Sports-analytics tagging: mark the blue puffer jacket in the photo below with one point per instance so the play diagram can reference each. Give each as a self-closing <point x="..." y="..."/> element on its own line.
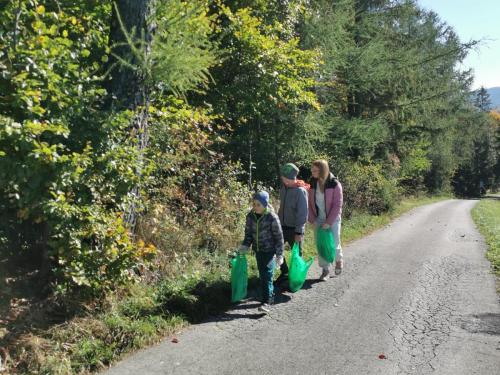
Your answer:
<point x="263" y="232"/>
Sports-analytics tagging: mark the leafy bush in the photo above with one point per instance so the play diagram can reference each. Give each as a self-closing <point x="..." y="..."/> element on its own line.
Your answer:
<point x="66" y="165"/>
<point x="195" y="198"/>
<point x="367" y="189"/>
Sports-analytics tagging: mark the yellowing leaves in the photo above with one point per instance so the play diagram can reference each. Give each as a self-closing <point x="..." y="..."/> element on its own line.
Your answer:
<point x="37" y="26"/>
<point x="53" y="88"/>
<point x="144" y="251"/>
<point x="282" y="66"/>
<point x="495" y="115"/>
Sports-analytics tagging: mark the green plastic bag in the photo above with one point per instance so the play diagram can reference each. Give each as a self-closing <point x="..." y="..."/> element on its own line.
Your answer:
<point x="298" y="269"/>
<point x="325" y="244"/>
<point x="239" y="277"/>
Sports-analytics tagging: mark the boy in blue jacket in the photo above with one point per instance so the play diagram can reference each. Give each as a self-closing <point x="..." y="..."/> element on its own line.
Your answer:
<point x="263" y="233"/>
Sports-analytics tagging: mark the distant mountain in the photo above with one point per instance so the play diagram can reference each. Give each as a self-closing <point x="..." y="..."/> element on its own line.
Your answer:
<point x="495" y="96"/>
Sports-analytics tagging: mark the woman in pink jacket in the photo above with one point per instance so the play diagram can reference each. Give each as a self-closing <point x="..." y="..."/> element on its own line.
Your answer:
<point x="325" y="210"/>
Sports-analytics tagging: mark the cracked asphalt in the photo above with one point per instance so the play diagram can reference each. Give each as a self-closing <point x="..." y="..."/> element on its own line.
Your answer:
<point x="418" y="291"/>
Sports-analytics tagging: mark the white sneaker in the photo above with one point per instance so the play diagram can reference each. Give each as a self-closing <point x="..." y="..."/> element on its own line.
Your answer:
<point x="338" y="267"/>
<point x="324" y="275"/>
<point x="265" y="308"/>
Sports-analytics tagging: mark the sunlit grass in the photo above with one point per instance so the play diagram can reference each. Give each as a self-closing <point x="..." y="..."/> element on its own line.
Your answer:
<point x="486" y="215"/>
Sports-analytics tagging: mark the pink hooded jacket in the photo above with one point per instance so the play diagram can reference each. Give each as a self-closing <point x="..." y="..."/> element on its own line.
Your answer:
<point x="333" y="200"/>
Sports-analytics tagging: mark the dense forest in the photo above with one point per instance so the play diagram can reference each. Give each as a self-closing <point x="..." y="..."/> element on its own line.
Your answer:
<point x="145" y="117"/>
<point x="132" y="132"/>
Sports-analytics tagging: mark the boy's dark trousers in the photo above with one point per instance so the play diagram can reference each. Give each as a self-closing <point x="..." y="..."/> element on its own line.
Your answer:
<point x="289" y="237"/>
<point x="266" y="264"/>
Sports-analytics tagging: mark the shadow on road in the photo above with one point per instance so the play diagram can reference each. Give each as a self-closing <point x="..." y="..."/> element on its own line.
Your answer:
<point x="308" y="284"/>
<point x="246" y="309"/>
<point x="488" y="323"/>
<point x="496" y="197"/>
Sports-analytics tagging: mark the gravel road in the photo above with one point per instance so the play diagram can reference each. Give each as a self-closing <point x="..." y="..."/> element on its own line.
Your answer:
<point x="419" y="291"/>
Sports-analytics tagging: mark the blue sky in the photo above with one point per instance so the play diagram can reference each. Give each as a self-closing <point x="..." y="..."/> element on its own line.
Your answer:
<point x="474" y="19"/>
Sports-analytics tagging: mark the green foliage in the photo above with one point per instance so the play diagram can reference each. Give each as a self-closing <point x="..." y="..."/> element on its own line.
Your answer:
<point x="92" y="354"/>
<point x="177" y="56"/>
<point x="218" y="87"/>
<point x="416" y="164"/>
<point x="482" y="158"/>
<point x="193" y="191"/>
<point x="66" y="166"/>
<point x="367" y="189"/>
<point x="263" y="85"/>
<point x="389" y="88"/>
<point x="482" y="100"/>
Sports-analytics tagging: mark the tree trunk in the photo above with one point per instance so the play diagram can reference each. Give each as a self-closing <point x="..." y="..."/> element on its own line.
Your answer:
<point x="128" y="88"/>
<point x="277" y="161"/>
<point x="250" y="161"/>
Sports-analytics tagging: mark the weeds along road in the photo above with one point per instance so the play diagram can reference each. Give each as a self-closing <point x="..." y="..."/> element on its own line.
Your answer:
<point x="419" y="292"/>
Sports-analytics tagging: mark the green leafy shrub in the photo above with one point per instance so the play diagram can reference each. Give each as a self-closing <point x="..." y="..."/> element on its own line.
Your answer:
<point x="196" y="201"/>
<point x="66" y="164"/>
<point x="367" y="189"/>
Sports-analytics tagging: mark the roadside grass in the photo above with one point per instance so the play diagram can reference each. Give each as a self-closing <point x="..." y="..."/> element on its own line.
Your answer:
<point x="145" y="313"/>
<point x="486" y="215"/>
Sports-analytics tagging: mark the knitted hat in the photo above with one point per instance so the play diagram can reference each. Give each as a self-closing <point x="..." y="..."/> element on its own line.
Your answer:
<point x="262" y="197"/>
<point x="290" y="171"/>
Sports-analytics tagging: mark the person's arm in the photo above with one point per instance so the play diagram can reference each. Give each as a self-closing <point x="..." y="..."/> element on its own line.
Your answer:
<point x="248" y="240"/>
<point x="277" y="233"/>
<point x="311" y="217"/>
<point x="338" y="200"/>
<point x="302" y="213"/>
<point x="280" y="211"/>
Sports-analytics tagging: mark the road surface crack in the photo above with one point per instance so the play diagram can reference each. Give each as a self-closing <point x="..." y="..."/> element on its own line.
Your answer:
<point x="423" y="318"/>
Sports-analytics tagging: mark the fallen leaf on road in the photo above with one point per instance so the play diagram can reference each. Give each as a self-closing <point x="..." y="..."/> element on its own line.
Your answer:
<point x="382" y="356"/>
<point x="175" y="340"/>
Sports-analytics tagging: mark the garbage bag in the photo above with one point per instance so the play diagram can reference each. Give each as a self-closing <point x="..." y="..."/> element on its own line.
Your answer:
<point x="325" y="244"/>
<point x="239" y="277"/>
<point x="298" y="269"/>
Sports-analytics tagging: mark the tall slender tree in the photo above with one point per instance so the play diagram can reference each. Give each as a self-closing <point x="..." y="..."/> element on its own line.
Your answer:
<point x="482" y="100"/>
<point x="130" y="34"/>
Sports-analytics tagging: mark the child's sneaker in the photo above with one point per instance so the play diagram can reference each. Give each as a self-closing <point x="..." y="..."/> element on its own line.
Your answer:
<point x="338" y="267"/>
<point x="324" y="275"/>
<point x="265" y="307"/>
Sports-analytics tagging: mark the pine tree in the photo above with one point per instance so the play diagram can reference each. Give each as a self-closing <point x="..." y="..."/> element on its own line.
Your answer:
<point x="482" y="100"/>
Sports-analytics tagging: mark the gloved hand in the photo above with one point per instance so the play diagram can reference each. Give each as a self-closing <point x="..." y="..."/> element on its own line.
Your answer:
<point x="325" y="226"/>
<point x="298" y="238"/>
<point x="243" y="250"/>
<point x="279" y="261"/>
